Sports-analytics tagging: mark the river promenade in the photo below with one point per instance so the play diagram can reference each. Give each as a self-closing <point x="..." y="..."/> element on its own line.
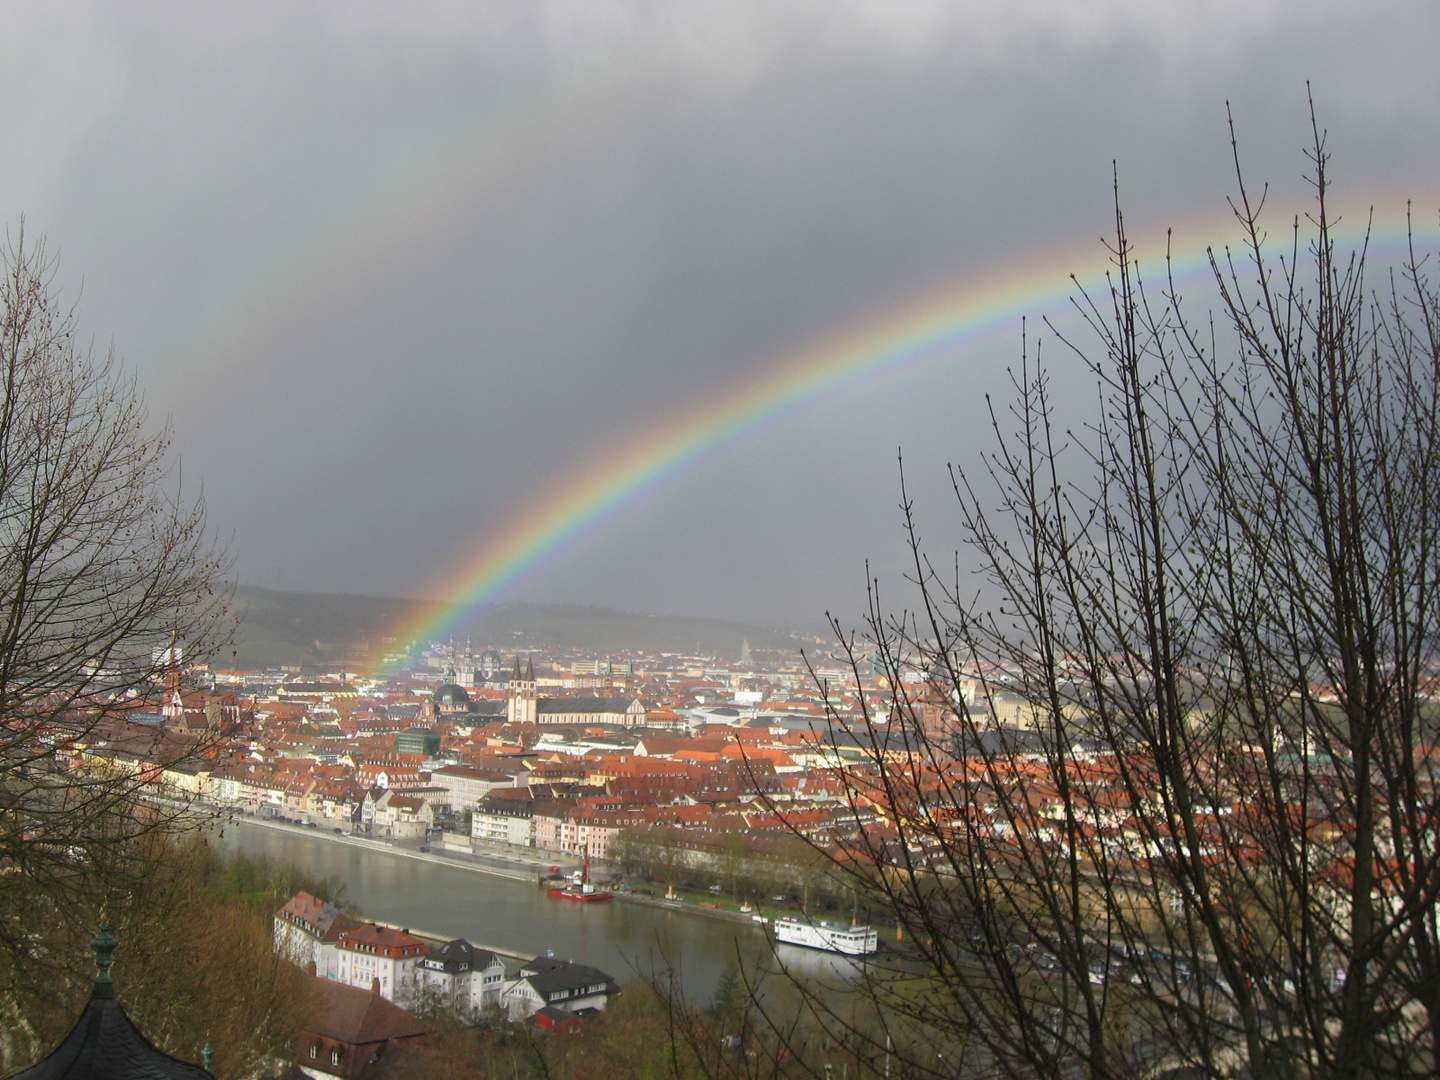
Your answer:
<point x="501" y="860"/>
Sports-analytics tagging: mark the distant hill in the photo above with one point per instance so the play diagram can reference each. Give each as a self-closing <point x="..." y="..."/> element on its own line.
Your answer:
<point x="300" y="628"/>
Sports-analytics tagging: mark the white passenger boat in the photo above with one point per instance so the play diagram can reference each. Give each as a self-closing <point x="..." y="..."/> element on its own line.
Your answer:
<point x="832" y="937"/>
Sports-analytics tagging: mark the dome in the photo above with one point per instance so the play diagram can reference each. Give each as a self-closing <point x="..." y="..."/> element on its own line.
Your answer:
<point x="451" y="696"/>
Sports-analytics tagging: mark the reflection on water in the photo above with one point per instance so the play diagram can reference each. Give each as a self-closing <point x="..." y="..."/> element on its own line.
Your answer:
<point x="813" y="964"/>
<point x="622" y="938"/>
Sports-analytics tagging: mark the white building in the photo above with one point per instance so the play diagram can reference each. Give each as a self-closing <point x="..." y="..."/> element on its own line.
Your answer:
<point x="468" y="786"/>
<point x="307" y="930"/>
<point x="467" y="979"/>
<point x="403" y="816"/>
<point x="504" y="821"/>
<point x="557" y="984"/>
<point x="373" y="954"/>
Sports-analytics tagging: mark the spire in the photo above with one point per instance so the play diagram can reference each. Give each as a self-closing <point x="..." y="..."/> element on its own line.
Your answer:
<point x="104" y="943"/>
<point x="529" y="670"/>
<point x="173" y="706"/>
<point x="516" y="676"/>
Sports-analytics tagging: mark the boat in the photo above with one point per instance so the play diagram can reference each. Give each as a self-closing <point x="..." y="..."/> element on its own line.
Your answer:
<point x="580" y="887"/>
<point x="827" y="936"/>
<point x="585" y="893"/>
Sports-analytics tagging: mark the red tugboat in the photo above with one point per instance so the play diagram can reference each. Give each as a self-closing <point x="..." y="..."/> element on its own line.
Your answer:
<point x="580" y="887"/>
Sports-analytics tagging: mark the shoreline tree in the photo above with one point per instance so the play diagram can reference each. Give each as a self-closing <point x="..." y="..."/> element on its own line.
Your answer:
<point x="1210" y="846"/>
<point x="105" y="562"/>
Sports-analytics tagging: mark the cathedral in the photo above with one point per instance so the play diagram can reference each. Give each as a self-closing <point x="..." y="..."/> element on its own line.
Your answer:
<point x="525" y="706"/>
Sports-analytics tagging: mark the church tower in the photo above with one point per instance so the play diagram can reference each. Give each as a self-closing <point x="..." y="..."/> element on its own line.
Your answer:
<point x="523" y="701"/>
<point x="172" y="707"/>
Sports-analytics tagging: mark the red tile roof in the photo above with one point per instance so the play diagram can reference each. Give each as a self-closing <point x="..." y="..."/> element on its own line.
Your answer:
<point x="351" y="1015"/>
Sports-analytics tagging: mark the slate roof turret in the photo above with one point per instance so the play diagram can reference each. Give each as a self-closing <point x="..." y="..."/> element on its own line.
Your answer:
<point x="104" y="1044"/>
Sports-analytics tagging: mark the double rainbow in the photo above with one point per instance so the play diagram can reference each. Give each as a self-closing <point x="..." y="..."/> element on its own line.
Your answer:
<point x="902" y="343"/>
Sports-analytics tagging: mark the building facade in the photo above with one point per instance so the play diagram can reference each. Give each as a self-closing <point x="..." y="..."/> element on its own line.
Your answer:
<point x="559" y="984"/>
<point x="462" y="978"/>
<point x="307" y="931"/>
<point x="505" y="821"/>
<point x="372" y="956"/>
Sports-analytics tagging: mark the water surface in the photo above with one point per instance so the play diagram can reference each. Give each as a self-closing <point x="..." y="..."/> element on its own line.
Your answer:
<point x="515" y="916"/>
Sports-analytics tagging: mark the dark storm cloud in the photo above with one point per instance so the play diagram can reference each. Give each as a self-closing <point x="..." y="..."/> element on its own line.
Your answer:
<point x="671" y="198"/>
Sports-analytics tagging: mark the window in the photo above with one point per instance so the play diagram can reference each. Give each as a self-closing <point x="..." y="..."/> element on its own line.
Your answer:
<point x="314" y="1051"/>
<point x="334" y="1057"/>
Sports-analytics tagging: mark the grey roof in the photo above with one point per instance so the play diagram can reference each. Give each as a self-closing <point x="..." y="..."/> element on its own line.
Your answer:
<point x="584" y="704"/>
<point x="105" y="1045"/>
<point x="547" y="976"/>
<point x="450" y="956"/>
<point x="450" y="695"/>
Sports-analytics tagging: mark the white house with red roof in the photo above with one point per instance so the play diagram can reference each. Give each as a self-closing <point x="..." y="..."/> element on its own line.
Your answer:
<point x="373" y="953"/>
<point x="307" y="930"/>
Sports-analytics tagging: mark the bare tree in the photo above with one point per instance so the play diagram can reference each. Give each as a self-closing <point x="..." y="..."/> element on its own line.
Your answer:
<point x="1206" y="840"/>
<point x="104" y="563"/>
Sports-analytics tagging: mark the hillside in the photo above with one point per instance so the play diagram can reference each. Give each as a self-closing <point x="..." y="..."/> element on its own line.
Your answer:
<point x="300" y="628"/>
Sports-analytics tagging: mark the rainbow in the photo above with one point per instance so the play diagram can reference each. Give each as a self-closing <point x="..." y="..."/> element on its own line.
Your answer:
<point x="360" y="225"/>
<point x="903" y="342"/>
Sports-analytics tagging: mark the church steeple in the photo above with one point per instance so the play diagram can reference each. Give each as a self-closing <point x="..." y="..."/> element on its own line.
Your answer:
<point x="173" y="705"/>
<point x="523" y="706"/>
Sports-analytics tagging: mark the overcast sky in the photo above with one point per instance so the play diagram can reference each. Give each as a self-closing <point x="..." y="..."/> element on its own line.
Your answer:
<point x="396" y="271"/>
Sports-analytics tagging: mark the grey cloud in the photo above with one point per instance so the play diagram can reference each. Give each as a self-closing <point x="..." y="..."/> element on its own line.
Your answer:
<point x="657" y="203"/>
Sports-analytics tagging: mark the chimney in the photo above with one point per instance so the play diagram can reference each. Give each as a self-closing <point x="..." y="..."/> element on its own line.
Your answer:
<point x="375" y="986"/>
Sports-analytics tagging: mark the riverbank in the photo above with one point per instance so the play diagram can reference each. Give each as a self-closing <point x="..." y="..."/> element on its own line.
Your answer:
<point x="714" y="912"/>
<point x="539" y="863"/>
<point x="529" y="868"/>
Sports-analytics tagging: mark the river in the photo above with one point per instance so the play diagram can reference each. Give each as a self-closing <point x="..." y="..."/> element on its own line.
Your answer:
<point x="515" y="916"/>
